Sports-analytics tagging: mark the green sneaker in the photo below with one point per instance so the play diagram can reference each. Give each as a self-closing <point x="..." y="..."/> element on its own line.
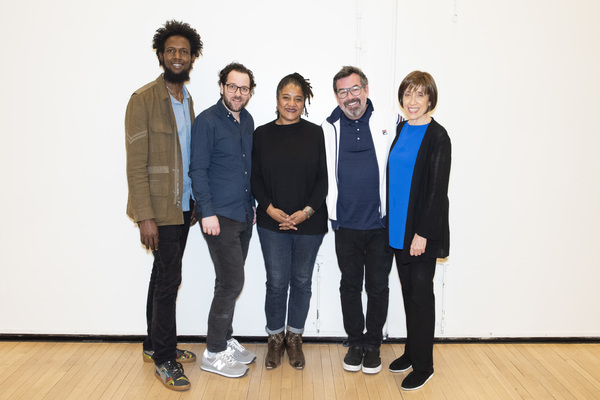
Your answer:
<point x="171" y="375"/>
<point x="183" y="356"/>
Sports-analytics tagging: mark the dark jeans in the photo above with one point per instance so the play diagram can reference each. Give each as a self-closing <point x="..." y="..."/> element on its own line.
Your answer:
<point x="289" y="262"/>
<point x="162" y="291"/>
<point x="364" y="253"/>
<point x="228" y="251"/>
<point x="416" y="279"/>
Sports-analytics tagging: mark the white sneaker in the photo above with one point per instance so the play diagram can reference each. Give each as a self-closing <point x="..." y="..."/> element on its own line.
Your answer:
<point x="224" y="364"/>
<point x="240" y="353"/>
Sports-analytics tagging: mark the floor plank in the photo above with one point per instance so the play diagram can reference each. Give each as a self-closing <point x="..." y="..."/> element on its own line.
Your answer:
<point x="115" y="371"/>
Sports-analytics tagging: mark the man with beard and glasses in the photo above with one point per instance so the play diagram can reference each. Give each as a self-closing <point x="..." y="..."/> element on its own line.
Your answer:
<point x="220" y="171"/>
<point x="357" y="142"/>
<point x="158" y="125"/>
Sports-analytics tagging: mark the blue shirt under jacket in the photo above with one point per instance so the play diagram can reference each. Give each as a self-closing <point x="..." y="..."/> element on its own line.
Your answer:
<point x="184" y="129"/>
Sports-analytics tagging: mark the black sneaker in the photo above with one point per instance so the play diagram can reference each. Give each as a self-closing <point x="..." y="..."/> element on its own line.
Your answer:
<point x="371" y="361"/>
<point x="171" y="375"/>
<point x="401" y="364"/>
<point x="416" y="379"/>
<point x="353" y="359"/>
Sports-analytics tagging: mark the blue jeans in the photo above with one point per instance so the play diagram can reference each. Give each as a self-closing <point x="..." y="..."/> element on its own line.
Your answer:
<point x="228" y="252"/>
<point x="289" y="261"/>
<point x="162" y="291"/>
<point x="364" y="254"/>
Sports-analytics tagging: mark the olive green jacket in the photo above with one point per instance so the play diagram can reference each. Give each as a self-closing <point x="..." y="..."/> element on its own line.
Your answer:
<point x="154" y="169"/>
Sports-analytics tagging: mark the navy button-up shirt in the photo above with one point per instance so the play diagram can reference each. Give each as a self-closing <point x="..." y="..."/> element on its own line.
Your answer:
<point x="220" y="163"/>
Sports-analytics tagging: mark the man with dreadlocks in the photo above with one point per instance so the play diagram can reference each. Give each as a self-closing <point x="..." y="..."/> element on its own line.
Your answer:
<point x="158" y="125"/>
<point x="289" y="181"/>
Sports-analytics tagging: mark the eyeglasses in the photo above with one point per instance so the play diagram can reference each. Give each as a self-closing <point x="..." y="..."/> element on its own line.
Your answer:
<point x="355" y="90"/>
<point x="232" y="88"/>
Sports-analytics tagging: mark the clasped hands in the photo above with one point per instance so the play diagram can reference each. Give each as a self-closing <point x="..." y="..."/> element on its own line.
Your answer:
<point x="286" y="222"/>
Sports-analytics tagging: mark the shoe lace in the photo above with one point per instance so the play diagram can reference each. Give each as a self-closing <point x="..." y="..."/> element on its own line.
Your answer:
<point x="174" y="368"/>
<point x="236" y="345"/>
<point x="227" y="357"/>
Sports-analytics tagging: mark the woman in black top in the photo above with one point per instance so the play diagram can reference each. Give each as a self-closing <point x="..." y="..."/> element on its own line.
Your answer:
<point x="289" y="181"/>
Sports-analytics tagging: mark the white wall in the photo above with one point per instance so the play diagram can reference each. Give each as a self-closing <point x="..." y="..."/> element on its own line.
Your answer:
<point x="518" y="83"/>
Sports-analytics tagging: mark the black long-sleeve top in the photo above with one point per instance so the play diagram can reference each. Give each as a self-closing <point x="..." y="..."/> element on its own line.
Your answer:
<point x="289" y="170"/>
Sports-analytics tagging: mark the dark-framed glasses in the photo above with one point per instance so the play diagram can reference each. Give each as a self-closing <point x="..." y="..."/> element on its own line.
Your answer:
<point x="355" y="90"/>
<point x="232" y="88"/>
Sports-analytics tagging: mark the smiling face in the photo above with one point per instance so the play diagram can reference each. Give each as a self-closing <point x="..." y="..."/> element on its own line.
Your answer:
<point x="416" y="105"/>
<point x="236" y="101"/>
<point x="353" y="106"/>
<point x="290" y="104"/>
<point x="177" y="60"/>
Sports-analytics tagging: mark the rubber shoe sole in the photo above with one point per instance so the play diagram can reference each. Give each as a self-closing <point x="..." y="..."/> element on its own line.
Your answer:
<point x="400" y="364"/>
<point x="352" y="368"/>
<point x="414" y="385"/>
<point x="401" y="370"/>
<point x="210" y="368"/>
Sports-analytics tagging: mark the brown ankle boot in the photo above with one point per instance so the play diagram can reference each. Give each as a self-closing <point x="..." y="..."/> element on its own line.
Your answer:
<point x="276" y="347"/>
<point x="293" y="344"/>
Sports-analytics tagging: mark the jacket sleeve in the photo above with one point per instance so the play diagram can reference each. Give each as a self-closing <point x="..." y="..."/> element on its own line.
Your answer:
<point x="202" y="143"/>
<point x="136" y="144"/>
<point x="434" y="203"/>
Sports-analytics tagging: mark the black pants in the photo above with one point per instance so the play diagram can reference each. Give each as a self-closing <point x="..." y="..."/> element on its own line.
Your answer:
<point x="364" y="253"/>
<point x="416" y="279"/>
<point x="228" y="251"/>
<point x="162" y="291"/>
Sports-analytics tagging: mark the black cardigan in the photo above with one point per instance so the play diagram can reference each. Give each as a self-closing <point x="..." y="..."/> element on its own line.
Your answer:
<point x="428" y="204"/>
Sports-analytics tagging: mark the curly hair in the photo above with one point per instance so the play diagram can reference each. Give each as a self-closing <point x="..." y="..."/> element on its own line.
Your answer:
<point x="297" y="80"/>
<point x="345" y="72"/>
<point x="236" y="66"/>
<point x="176" y="28"/>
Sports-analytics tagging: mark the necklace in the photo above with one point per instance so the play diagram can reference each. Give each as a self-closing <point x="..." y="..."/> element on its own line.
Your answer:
<point x="178" y="96"/>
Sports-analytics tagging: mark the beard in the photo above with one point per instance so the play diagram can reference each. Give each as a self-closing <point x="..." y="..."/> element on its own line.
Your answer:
<point x="355" y="111"/>
<point x="233" y="108"/>
<point x="173" y="77"/>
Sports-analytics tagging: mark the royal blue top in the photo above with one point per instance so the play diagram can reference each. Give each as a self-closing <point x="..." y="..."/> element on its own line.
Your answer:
<point x="400" y="168"/>
<point x="220" y="166"/>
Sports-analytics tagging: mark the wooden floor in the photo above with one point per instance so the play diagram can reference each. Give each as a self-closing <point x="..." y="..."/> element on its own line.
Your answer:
<point x="33" y="370"/>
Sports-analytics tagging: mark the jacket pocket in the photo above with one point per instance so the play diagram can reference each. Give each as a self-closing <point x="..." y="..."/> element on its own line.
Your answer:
<point x="158" y="178"/>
